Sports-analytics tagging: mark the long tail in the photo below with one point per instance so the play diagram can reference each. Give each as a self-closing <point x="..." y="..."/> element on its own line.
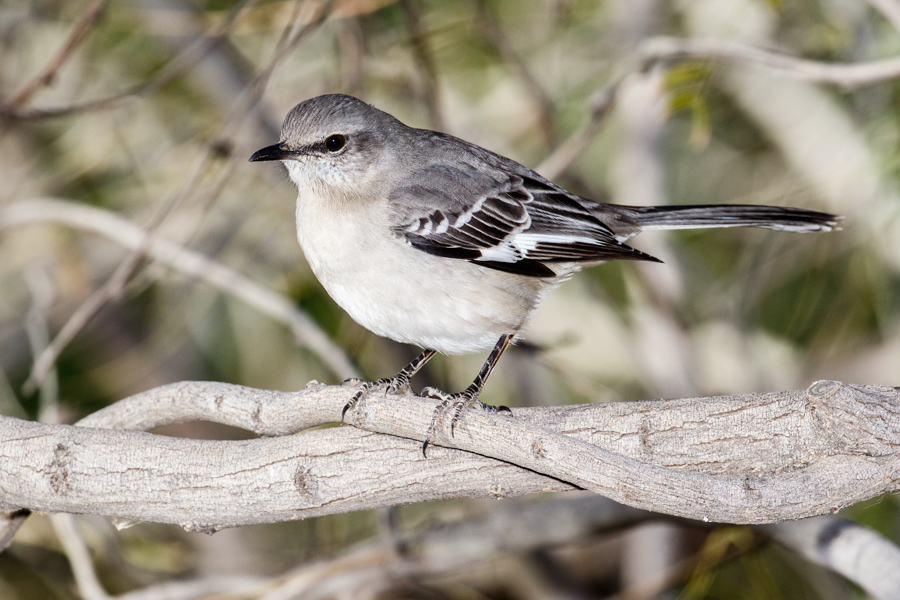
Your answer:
<point x="733" y="215"/>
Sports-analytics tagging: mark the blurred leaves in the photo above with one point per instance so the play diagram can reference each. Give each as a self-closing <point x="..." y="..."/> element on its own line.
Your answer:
<point x="685" y="84"/>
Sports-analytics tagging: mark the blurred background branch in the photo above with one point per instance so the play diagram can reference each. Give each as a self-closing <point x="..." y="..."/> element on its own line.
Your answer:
<point x="79" y="31"/>
<point x="131" y="236"/>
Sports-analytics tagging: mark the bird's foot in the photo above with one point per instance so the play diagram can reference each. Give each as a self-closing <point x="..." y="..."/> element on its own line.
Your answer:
<point x="391" y="385"/>
<point x="456" y="404"/>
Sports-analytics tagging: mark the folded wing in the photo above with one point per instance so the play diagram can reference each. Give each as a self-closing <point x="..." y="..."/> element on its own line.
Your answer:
<point x="500" y="220"/>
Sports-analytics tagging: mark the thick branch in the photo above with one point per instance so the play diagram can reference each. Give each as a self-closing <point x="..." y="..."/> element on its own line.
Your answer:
<point x="752" y="458"/>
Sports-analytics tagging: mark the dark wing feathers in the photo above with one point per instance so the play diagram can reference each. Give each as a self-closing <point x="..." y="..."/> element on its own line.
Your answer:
<point x="526" y="266"/>
<point x="425" y="245"/>
<point x="501" y="220"/>
<point x="487" y="223"/>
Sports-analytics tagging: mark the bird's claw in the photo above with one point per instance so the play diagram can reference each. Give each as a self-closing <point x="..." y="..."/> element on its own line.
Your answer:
<point x="459" y="402"/>
<point x="392" y="385"/>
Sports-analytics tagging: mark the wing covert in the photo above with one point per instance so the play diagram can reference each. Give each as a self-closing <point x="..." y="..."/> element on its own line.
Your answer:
<point x="501" y="220"/>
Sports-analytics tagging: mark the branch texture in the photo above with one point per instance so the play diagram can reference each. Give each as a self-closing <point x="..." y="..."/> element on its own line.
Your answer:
<point x="754" y="458"/>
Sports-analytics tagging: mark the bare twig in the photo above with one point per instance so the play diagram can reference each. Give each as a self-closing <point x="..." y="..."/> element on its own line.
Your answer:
<point x="495" y="36"/>
<point x="849" y="75"/>
<point x="511" y="529"/>
<point x="223" y="74"/>
<point x="305" y="22"/>
<point x="43" y="364"/>
<point x="889" y="9"/>
<point x="309" y="17"/>
<point x="567" y="152"/>
<point x="177" y="67"/>
<point x="352" y="42"/>
<point x="44" y="78"/>
<point x="664" y="49"/>
<point x="79" y="556"/>
<point x="112" y="288"/>
<point x="43" y="294"/>
<point x="456" y="548"/>
<point x="202" y="587"/>
<point x="9" y="403"/>
<point x="9" y="525"/>
<point x="90" y="587"/>
<point x="73" y="545"/>
<point x="114" y="285"/>
<point x="425" y="62"/>
<point x="371" y="563"/>
<point x="130" y="235"/>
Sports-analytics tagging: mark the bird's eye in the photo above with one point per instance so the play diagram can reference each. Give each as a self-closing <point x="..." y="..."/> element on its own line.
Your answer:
<point x="335" y="142"/>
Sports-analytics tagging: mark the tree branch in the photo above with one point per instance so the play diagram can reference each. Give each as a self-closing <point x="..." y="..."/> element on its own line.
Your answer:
<point x="79" y="556"/>
<point x="889" y="9"/>
<point x="653" y="51"/>
<point x="307" y="20"/>
<point x="752" y="458"/>
<point x="510" y="529"/>
<point x="847" y="75"/>
<point x="132" y="236"/>
<point x="177" y="67"/>
<point x="856" y="552"/>
<point x="45" y="77"/>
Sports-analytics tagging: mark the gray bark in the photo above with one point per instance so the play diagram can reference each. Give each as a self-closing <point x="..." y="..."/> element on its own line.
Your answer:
<point x="753" y="458"/>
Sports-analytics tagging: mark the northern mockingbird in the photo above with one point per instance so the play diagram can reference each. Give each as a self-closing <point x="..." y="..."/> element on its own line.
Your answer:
<point x="429" y="240"/>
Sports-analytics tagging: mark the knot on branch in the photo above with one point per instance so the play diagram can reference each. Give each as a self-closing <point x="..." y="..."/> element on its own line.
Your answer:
<point x="862" y="420"/>
<point x="58" y="469"/>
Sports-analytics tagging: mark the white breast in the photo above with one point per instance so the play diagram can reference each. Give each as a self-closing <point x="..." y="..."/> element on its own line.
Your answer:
<point x="396" y="291"/>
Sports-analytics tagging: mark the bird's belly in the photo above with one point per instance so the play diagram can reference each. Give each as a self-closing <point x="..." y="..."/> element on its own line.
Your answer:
<point x="449" y="305"/>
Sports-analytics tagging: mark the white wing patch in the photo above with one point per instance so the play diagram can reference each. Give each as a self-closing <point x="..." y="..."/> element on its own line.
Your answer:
<point x="518" y="246"/>
<point x="527" y="242"/>
<point x="505" y="252"/>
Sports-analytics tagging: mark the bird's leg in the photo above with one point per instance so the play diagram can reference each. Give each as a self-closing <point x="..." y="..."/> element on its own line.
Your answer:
<point x="469" y="396"/>
<point x="398" y="382"/>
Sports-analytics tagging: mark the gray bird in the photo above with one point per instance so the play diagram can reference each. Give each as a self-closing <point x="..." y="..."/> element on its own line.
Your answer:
<point x="429" y="240"/>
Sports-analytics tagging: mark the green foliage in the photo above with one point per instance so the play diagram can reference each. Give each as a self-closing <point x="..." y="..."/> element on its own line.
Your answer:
<point x="685" y="84"/>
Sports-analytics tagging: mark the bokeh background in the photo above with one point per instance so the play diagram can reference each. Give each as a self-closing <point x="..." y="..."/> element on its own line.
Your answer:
<point x="119" y="117"/>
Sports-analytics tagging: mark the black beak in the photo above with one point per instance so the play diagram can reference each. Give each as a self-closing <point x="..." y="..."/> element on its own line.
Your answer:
<point x="277" y="152"/>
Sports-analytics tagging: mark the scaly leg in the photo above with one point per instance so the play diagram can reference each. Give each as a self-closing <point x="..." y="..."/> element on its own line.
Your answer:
<point x="399" y="382"/>
<point x="469" y="396"/>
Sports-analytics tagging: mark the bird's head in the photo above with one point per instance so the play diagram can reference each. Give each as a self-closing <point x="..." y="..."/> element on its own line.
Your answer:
<point x="331" y="144"/>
